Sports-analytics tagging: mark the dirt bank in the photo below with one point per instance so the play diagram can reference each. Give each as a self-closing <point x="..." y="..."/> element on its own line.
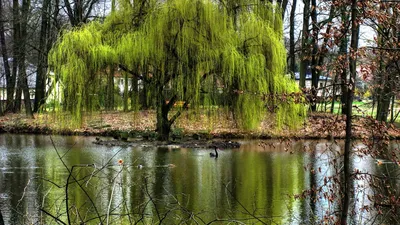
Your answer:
<point x="195" y="127"/>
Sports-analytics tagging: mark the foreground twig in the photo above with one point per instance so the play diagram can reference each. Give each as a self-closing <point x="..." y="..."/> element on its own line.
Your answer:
<point x="66" y="187"/>
<point x="49" y="214"/>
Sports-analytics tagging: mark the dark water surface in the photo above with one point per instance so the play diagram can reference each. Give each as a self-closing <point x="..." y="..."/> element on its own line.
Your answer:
<point x="252" y="184"/>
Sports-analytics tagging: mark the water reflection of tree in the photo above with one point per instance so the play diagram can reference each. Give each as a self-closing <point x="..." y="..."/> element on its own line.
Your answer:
<point x="218" y="190"/>
<point x="252" y="184"/>
<point x="374" y="180"/>
<point x="16" y="180"/>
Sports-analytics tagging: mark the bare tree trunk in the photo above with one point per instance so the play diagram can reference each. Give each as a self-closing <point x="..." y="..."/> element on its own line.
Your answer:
<point x="350" y="94"/>
<point x="25" y="89"/>
<point x="388" y="65"/>
<point x="283" y="4"/>
<point x="18" y="94"/>
<point x="304" y="45"/>
<point x="384" y="98"/>
<point x="343" y="54"/>
<point x="22" y="55"/>
<point x="78" y="11"/>
<point x="40" y="88"/>
<point x="16" y="54"/>
<point x="384" y="92"/>
<point x="314" y="60"/>
<point x="292" y="61"/>
<point x="3" y="49"/>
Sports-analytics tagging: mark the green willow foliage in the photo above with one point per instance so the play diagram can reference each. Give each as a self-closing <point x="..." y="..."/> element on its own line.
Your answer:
<point x="183" y="48"/>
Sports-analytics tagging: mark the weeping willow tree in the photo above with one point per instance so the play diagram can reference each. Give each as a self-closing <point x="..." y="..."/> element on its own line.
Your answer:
<point x="181" y="49"/>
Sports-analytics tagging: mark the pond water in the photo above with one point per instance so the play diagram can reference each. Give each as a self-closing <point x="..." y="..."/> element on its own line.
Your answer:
<point x="250" y="185"/>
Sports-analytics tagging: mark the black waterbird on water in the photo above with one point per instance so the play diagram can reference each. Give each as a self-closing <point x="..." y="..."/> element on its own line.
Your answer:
<point x="214" y="155"/>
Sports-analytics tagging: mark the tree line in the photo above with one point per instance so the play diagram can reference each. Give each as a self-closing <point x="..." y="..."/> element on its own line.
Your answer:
<point x="324" y="47"/>
<point x="27" y="32"/>
<point x="29" y="29"/>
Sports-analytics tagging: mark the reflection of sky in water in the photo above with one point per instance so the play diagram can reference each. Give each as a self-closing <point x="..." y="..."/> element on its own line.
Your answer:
<point x="252" y="179"/>
<point x="323" y="165"/>
<point x="365" y="164"/>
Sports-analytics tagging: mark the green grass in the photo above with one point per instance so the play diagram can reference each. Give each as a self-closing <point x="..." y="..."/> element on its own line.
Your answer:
<point x="360" y="108"/>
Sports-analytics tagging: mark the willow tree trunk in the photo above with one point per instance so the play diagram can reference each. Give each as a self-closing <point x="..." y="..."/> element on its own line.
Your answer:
<point x="163" y="124"/>
<point x="347" y="190"/>
<point x="109" y="99"/>
<point x="304" y="44"/>
<point x="144" y="97"/>
<point x="40" y="88"/>
<point x="292" y="56"/>
<point x="125" y="94"/>
<point x="134" y="94"/>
